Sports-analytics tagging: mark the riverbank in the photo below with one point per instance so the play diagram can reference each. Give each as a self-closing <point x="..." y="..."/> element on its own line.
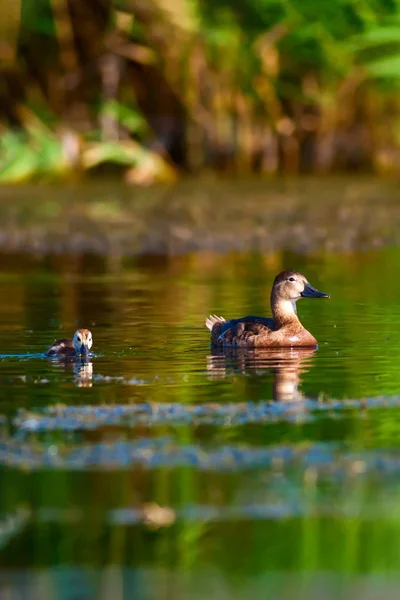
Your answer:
<point x="108" y="218"/>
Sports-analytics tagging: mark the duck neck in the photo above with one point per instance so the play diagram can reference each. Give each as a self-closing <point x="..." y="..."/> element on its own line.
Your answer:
<point x="283" y="311"/>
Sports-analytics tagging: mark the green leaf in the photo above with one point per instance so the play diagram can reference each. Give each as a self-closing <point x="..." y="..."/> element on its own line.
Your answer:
<point x="385" y="67"/>
<point x="20" y="167"/>
<point x="377" y="37"/>
<point x="128" y="153"/>
<point x="129" y="117"/>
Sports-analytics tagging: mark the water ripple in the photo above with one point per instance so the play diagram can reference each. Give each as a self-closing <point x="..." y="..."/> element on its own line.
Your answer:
<point x="77" y="418"/>
<point x="329" y="460"/>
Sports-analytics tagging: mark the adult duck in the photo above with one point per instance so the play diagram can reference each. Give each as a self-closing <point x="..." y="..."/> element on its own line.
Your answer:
<point x="282" y="330"/>
<point x="79" y="346"/>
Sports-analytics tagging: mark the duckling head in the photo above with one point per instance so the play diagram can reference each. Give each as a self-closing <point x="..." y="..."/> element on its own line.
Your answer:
<point x="82" y="341"/>
<point x="290" y="286"/>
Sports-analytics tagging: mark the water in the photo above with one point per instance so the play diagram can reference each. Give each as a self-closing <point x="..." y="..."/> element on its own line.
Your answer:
<point x="161" y="469"/>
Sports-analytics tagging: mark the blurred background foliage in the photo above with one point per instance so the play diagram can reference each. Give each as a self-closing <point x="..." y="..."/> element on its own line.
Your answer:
<point x="158" y="88"/>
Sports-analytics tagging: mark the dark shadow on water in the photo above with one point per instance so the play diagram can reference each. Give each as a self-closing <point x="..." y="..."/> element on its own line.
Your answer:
<point x="287" y="365"/>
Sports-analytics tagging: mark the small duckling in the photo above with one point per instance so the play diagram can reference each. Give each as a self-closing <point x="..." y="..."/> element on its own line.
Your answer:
<point x="78" y="346"/>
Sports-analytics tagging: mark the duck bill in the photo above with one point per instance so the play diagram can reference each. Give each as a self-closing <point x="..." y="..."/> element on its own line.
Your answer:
<point x="311" y="292"/>
<point x="84" y="350"/>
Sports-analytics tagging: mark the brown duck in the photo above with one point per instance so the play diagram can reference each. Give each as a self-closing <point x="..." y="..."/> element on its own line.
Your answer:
<point x="283" y="329"/>
<point x="78" y="346"/>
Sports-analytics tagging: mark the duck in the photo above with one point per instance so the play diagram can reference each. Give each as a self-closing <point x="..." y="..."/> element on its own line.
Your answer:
<point x="284" y="329"/>
<point x="78" y="346"/>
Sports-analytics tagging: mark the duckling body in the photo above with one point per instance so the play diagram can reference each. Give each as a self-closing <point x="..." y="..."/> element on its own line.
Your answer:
<point x="79" y="346"/>
<point x="284" y="329"/>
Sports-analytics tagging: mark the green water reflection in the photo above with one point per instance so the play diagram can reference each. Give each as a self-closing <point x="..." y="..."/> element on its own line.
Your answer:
<point x="322" y="513"/>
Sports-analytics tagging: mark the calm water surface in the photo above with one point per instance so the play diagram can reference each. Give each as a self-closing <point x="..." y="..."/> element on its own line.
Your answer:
<point x="162" y="470"/>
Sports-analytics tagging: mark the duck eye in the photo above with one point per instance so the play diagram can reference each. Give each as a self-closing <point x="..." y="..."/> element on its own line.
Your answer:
<point x="292" y="279"/>
<point x="78" y="338"/>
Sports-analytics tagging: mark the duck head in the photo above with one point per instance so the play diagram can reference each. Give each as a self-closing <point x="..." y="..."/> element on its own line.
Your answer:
<point x="290" y="286"/>
<point x="82" y="341"/>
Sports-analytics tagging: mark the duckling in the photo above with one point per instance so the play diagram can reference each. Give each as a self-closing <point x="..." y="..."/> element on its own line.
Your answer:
<point x="79" y="345"/>
<point x="282" y="330"/>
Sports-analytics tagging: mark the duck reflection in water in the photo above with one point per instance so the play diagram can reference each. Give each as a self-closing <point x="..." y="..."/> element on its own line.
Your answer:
<point x="286" y="364"/>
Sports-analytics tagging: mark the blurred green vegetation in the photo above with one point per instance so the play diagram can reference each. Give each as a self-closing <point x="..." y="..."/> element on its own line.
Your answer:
<point x="161" y="87"/>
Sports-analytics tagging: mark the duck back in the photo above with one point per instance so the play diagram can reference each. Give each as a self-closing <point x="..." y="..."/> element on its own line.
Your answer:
<point x="239" y="332"/>
<point x="61" y="348"/>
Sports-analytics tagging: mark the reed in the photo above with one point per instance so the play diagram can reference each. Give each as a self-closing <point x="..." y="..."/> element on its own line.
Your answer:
<point x="163" y="87"/>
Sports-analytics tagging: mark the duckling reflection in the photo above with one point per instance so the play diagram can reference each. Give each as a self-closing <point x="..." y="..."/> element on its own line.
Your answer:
<point x="286" y="364"/>
<point x="82" y="370"/>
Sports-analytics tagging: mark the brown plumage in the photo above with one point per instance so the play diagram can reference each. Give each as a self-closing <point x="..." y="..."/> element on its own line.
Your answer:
<point x="78" y="346"/>
<point x="283" y="329"/>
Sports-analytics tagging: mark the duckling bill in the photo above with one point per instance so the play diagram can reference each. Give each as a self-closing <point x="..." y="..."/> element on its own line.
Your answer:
<point x="282" y="330"/>
<point x="79" y="346"/>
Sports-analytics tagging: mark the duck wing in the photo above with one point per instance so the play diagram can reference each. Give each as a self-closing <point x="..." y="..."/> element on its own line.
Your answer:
<point x="239" y="332"/>
<point x="61" y="348"/>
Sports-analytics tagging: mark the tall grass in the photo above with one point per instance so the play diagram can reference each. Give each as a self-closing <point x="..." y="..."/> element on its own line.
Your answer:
<point x="254" y="86"/>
